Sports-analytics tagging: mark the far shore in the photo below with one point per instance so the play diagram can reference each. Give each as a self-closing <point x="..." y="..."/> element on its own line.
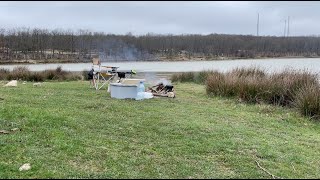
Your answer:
<point x="58" y="61"/>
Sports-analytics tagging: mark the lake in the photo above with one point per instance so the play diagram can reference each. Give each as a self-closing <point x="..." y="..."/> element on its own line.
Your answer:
<point x="165" y="68"/>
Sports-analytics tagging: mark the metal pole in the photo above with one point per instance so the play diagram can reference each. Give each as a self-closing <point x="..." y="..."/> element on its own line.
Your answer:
<point x="258" y="25"/>
<point x="285" y="26"/>
<point x="288" y="26"/>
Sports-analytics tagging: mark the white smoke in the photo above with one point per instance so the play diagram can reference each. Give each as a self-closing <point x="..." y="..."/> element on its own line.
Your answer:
<point x="150" y="77"/>
<point x="164" y="81"/>
<point x="153" y="78"/>
<point x="116" y="50"/>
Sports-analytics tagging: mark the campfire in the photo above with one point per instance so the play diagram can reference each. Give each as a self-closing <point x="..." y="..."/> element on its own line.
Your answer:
<point x="162" y="90"/>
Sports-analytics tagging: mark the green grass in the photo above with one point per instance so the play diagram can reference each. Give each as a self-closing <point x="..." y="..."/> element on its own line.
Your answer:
<point x="71" y="131"/>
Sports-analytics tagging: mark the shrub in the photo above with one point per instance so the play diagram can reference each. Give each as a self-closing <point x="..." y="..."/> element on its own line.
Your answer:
<point x="183" y="77"/>
<point x="73" y="77"/>
<point x="37" y="76"/>
<point x="284" y="86"/>
<point x="287" y="88"/>
<point x="50" y="74"/>
<point x="174" y="77"/>
<point x="202" y="76"/>
<point x="247" y="88"/>
<point x="248" y="72"/>
<point x="85" y="74"/>
<point x="19" y="73"/>
<point x="23" y="73"/>
<point x="4" y="73"/>
<point x="59" y="70"/>
<point x="307" y="101"/>
<point x="196" y="77"/>
<point x="56" y="74"/>
<point x="215" y="84"/>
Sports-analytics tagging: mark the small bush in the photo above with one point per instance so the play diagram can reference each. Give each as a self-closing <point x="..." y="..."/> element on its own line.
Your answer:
<point x="284" y="86"/>
<point x="248" y="72"/>
<point x="307" y="101"/>
<point x="251" y="89"/>
<point x="215" y="84"/>
<point x="174" y="77"/>
<point x="56" y="74"/>
<point x="4" y="73"/>
<point x="36" y="76"/>
<point x="183" y="77"/>
<point x="23" y="73"/>
<point x="287" y="88"/>
<point x="85" y="74"/>
<point x="59" y="70"/>
<point x="73" y="77"/>
<point x="196" y="77"/>
<point x="19" y="73"/>
<point x="50" y="74"/>
<point x="202" y="76"/>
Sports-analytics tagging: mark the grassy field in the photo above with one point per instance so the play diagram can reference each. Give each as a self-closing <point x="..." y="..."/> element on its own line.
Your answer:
<point x="71" y="131"/>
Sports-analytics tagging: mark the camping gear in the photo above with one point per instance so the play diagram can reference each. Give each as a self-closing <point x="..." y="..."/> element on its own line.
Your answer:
<point x="144" y="95"/>
<point x="123" y="91"/>
<point x="132" y="81"/>
<point x="102" y="75"/>
<point x="141" y="87"/>
<point x="122" y="74"/>
<point x="147" y="95"/>
<point x="90" y="74"/>
<point x="129" y="88"/>
<point x="140" y="91"/>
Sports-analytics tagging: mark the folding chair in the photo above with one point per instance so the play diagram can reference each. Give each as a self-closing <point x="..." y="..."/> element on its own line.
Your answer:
<point x="106" y="77"/>
<point x="100" y="78"/>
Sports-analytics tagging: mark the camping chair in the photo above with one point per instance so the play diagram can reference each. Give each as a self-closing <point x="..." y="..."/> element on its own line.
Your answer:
<point x="100" y="78"/>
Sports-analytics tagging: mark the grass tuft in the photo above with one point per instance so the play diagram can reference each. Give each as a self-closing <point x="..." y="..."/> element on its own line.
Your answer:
<point x="307" y="101"/>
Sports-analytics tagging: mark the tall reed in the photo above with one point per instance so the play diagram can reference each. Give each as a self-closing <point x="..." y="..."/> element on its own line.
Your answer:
<point x="24" y="74"/>
<point x="291" y="88"/>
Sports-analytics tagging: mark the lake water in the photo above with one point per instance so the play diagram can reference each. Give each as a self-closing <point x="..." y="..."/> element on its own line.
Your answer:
<point x="270" y="65"/>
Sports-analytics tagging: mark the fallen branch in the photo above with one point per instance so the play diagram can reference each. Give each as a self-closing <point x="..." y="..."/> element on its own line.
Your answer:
<point x="273" y="176"/>
<point x="158" y="94"/>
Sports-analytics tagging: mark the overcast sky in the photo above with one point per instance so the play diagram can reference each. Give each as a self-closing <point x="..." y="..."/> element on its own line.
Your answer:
<point x="225" y="17"/>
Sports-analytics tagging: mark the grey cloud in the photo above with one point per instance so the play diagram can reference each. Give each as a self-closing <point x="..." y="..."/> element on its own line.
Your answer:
<point x="165" y="17"/>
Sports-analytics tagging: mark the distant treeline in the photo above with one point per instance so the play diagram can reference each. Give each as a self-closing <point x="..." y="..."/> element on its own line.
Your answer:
<point x="82" y="45"/>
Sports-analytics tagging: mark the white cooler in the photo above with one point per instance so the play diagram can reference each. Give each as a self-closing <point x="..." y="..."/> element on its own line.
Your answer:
<point x="123" y="91"/>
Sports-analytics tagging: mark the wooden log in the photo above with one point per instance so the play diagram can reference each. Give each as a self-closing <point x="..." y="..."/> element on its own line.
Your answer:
<point x="158" y="94"/>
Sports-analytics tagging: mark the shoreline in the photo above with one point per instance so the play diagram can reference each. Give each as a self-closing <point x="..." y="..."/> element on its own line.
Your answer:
<point x="30" y="62"/>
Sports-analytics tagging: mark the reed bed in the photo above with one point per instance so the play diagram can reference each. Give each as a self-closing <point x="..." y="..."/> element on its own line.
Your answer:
<point x="297" y="89"/>
<point x="23" y="73"/>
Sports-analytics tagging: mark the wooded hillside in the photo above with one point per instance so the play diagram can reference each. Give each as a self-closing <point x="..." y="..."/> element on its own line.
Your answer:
<point x="82" y="45"/>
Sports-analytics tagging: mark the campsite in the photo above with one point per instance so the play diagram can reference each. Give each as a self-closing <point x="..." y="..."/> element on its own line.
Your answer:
<point x="65" y="128"/>
<point x="159" y="90"/>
